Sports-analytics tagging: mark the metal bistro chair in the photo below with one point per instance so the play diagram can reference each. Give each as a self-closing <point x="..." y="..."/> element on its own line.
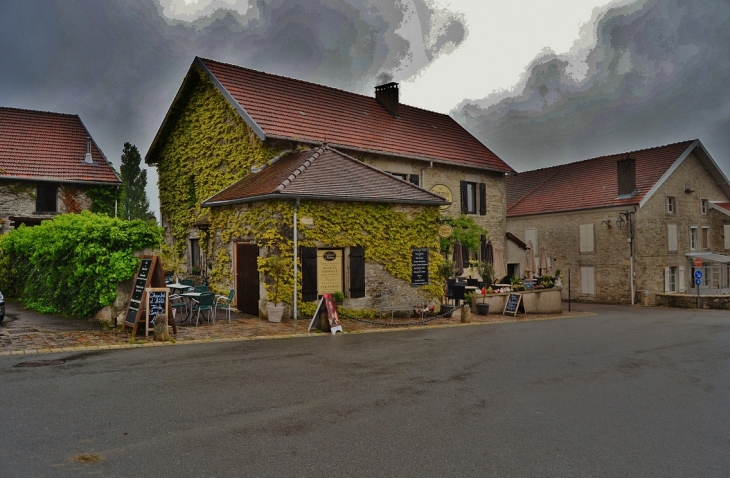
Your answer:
<point x="200" y="288"/>
<point x="223" y="302"/>
<point x="178" y="302"/>
<point x="204" y="304"/>
<point x="450" y="289"/>
<point x="472" y="282"/>
<point x="188" y="282"/>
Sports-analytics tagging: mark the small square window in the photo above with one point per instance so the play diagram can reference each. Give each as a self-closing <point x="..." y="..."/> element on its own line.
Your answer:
<point x="671" y="205"/>
<point x="704" y="206"/>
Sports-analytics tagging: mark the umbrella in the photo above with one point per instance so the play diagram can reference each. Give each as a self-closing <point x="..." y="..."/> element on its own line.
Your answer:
<point x="499" y="269"/>
<point x="487" y="252"/>
<point x="458" y="258"/>
<point x="543" y="260"/>
<point x="530" y="267"/>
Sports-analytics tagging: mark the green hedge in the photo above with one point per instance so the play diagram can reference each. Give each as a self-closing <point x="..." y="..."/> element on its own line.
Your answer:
<point x="72" y="264"/>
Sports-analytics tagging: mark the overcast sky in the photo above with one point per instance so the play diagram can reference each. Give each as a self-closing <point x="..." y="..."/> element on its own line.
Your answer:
<point x="538" y="82"/>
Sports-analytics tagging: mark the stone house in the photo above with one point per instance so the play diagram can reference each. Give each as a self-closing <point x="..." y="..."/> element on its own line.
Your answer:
<point x="230" y="125"/>
<point x="628" y="226"/>
<point x="49" y="165"/>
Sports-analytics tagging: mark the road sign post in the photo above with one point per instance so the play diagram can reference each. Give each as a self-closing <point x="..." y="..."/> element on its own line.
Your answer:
<point x="698" y="278"/>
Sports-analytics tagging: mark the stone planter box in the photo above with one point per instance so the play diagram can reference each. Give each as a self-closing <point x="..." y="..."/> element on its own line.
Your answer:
<point x="541" y="301"/>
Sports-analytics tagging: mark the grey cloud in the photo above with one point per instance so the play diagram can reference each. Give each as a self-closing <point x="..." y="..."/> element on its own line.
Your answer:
<point x="119" y="64"/>
<point x="657" y="73"/>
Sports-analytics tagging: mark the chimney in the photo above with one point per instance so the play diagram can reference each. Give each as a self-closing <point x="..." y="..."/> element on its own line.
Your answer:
<point x="626" y="174"/>
<point x="88" y="159"/>
<point x="387" y="96"/>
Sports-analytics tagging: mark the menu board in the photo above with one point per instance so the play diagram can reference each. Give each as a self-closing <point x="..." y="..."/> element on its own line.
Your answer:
<point x="157" y="303"/>
<point x="513" y="304"/>
<point x="140" y="283"/>
<point x="419" y="267"/>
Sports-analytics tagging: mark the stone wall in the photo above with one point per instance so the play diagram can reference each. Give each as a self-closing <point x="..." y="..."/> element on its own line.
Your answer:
<point x="18" y="198"/>
<point x="560" y="232"/>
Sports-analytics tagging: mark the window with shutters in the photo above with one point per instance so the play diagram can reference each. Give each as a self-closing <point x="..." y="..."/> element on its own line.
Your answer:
<point x="587" y="280"/>
<point x="468" y="197"/>
<point x="310" y="283"/>
<point x="46" y="195"/>
<point x="670" y="279"/>
<point x="402" y="176"/>
<point x="693" y="238"/>
<point x="671" y="205"/>
<point x="586" y="238"/>
<point x="672" y="237"/>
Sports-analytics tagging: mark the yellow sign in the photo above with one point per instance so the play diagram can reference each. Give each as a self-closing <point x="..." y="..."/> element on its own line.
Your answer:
<point x="445" y="231"/>
<point x="329" y="271"/>
<point x="444" y="192"/>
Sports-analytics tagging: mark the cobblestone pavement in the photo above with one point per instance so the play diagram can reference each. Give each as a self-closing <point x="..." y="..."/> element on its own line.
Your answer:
<point x="52" y="336"/>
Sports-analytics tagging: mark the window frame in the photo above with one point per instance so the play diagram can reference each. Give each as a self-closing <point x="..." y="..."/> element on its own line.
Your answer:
<point x="672" y="238"/>
<point x="705" y="238"/>
<point x="469" y="192"/>
<point x="584" y="239"/>
<point x="704" y="207"/>
<point x="671" y="205"/>
<point x="45" y="193"/>
<point x="195" y="259"/>
<point x="692" y="238"/>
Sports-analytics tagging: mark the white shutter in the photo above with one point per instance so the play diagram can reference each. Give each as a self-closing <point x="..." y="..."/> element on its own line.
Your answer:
<point x="681" y="279"/>
<point x="666" y="280"/>
<point x="672" y="237"/>
<point x="586" y="238"/>
<point x="587" y="281"/>
<point x="727" y="235"/>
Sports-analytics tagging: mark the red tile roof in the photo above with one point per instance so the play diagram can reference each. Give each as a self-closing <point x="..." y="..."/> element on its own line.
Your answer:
<point x="323" y="174"/>
<point x="43" y="145"/>
<point x="288" y="108"/>
<point x="588" y="184"/>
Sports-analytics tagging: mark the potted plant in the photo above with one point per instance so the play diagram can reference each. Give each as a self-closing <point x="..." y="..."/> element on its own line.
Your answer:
<point x="339" y="297"/>
<point x="558" y="280"/>
<point x="276" y="266"/>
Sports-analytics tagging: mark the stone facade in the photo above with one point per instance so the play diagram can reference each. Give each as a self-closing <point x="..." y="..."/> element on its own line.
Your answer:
<point x="610" y="259"/>
<point x="18" y="200"/>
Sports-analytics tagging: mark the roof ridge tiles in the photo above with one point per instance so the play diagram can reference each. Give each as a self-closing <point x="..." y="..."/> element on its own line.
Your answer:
<point x="307" y="163"/>
<point x="74" y="115"/>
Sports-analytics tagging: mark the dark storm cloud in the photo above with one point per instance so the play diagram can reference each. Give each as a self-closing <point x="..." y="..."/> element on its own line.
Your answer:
<point x="658" y="72"/>
<point x="118" y="64"/>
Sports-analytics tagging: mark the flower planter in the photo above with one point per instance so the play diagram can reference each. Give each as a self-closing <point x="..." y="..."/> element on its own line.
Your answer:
<point x="275" y="313"/>
<point x="482" y="309"/>
<point x="447" y="310"/>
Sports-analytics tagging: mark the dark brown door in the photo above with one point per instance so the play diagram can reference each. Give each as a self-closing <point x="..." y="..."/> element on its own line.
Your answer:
<point x="247" y="283"/>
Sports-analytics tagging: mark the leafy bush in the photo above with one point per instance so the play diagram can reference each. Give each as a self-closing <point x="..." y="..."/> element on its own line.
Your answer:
<point x="72" y="264"/>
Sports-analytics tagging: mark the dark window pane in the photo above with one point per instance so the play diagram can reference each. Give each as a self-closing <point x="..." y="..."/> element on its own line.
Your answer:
<point x="46" y="198"/>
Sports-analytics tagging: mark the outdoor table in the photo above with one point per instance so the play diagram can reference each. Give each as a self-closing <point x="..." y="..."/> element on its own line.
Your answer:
<point x="178" y="288"/>
<point x="191" y="296"/>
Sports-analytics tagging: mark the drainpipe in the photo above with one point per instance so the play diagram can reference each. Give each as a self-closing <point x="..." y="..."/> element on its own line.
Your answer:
<point x="294" y="310"/>
<point x="423" y="178"/>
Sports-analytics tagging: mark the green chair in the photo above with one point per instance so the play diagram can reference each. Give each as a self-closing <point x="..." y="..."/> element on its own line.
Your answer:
<point x="204" y="304"/>
<point x="200" y="288"/>
<point x="178" y="302"/>
<point x="223" y="302"/>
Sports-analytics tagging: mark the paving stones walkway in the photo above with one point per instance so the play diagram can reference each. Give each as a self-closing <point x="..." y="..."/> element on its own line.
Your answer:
<point x="53" y="336"/>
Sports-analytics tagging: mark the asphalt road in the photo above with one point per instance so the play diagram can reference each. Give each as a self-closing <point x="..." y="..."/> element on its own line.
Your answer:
<point x="628" y="392"/>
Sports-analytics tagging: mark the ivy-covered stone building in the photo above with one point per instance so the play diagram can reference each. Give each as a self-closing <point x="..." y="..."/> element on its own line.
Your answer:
<point x="49" y="165"/>
<point x="241" y="153"/>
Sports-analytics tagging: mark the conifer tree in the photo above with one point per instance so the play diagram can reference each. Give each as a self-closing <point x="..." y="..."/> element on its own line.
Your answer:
<point x="134" y="202"/>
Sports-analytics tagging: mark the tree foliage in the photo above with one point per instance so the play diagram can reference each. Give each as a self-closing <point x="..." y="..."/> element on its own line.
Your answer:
<point x="465" y="230"/>
<point x="72" y="264"/>
<point x="134" y="203"/>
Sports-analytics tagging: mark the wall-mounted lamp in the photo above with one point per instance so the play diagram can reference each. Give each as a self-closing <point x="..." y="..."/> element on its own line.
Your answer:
<point x="620" y="221"/>
<point x="688" y="189"/>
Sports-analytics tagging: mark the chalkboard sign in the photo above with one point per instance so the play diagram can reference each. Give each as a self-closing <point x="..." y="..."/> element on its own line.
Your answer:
<point x="512" y="305"/>
<point x="157" y="302"/>
<point x="529" y="285"/>
<point x="149" y="274"/>
<point x="419" y="267"/>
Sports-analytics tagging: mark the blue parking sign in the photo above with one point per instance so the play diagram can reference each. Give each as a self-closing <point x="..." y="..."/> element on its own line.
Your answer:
<point x="698" y="281"/>
<point x="698" y="274"/>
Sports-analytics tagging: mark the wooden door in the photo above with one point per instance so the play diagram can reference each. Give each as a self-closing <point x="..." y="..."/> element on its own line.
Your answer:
<point x="247" y="278"/>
